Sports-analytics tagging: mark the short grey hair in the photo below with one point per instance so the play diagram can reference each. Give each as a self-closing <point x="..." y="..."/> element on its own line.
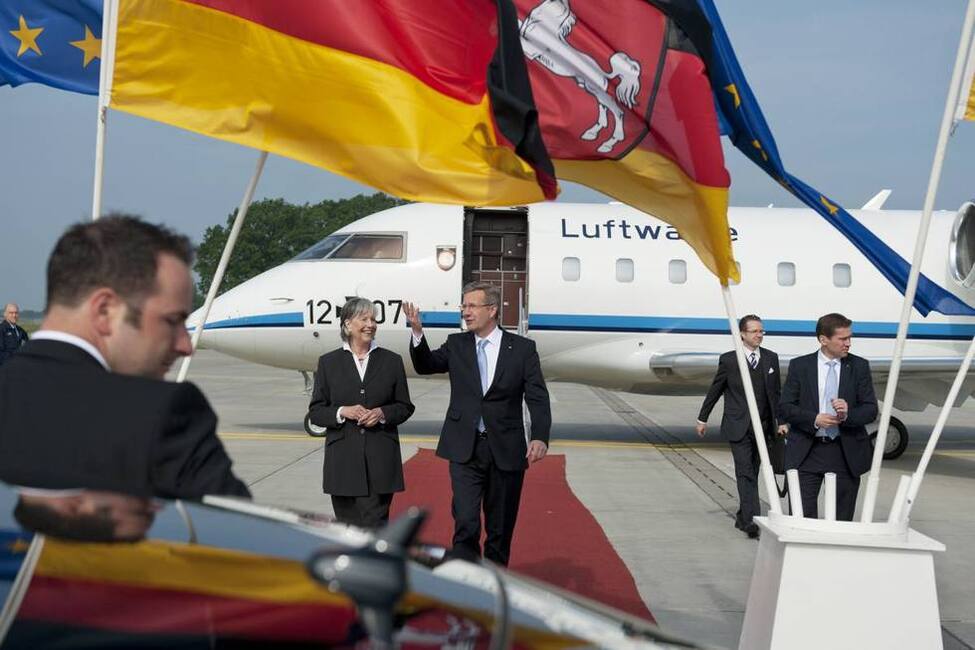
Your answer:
<point x="492" y="294"/>
<point x="352" y="308"/>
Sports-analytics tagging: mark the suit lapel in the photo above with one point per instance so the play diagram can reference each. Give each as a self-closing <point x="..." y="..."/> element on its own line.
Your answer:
<point x="504" y="358"/>
<point x="812" y="376"/>
<point x="468" y="353"/>
<point x="375" y="361"/>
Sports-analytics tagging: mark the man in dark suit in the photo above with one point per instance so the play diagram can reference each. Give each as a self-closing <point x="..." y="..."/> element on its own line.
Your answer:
<point x="828" y="401"/>
<point x="736" y="423"/>
<point x="12" y="335"/>
<point x="483" y="435"/>
<point x="83" y="404"/>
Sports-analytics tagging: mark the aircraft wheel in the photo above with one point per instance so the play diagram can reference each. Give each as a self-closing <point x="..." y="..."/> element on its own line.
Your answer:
<point x="896" y="441"/>
<point x="313" y="430"/>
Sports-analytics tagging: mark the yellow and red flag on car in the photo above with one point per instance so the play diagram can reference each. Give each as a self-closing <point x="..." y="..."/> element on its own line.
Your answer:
<point x="430" y="104"/>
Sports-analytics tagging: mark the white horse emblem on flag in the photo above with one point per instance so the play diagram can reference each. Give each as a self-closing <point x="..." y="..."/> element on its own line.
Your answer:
<point x="543" y="38"/>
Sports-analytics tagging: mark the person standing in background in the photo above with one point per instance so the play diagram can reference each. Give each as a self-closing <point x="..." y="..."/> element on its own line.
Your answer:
<point x="12" y="335"/>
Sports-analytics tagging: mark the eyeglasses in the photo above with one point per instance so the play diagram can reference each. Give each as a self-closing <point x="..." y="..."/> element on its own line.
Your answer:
<point x="472" y="305"/>
<point x="754" y="331"/>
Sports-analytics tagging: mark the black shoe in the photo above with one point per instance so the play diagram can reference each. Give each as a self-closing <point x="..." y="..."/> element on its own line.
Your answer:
<point x="752" y="530"/>
<point x="739" y="524"/>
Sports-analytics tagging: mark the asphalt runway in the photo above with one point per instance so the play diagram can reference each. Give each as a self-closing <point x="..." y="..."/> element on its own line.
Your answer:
<point x="664" y="498"/>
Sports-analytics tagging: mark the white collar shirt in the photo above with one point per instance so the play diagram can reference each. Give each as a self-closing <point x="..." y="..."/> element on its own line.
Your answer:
<point x="361" y="365"/>
<point x="749" y="352"/>
<point x="71" y="339"/>
<point x="822" y="365"/>
<point x="491" y="351"/>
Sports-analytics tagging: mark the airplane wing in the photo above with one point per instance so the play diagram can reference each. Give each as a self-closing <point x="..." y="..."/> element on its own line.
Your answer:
<point x="923" y="380"/>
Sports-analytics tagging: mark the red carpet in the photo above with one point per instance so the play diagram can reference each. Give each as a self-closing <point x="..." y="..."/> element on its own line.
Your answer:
<point x="557" y="539"/>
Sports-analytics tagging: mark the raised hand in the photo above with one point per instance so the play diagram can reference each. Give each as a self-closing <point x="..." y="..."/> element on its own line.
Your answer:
<point x="413" y="315"/>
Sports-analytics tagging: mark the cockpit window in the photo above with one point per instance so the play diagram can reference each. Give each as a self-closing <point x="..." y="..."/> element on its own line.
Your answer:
<point x="363" y="246"/>
<point x="324" y="248"/>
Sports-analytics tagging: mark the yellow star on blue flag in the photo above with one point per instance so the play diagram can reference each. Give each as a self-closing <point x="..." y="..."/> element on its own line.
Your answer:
<point x="13" y="548"/>
<point x="52" y="42"/>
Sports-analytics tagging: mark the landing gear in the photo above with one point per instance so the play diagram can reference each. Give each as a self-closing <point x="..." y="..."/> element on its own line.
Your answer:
<point x="313" y="430"/>
<point x="896" y="441"/>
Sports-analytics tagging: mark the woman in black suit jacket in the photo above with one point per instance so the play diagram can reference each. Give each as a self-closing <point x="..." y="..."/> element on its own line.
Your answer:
<point x="361" y="396"/>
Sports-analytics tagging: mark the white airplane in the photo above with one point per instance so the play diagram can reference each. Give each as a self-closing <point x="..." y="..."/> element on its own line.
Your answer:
<point x="613" y="297"/>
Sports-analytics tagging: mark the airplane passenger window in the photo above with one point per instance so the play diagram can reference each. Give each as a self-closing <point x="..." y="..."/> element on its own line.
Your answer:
<point x="624" y="270"/>
<point x="786" y="274"/>
<point x="323" y="248"/>
<point x="842" y="275"/>
<point x="677" y="271"/>
<point x="363" y="246"/>
<point x="571" y="269"/>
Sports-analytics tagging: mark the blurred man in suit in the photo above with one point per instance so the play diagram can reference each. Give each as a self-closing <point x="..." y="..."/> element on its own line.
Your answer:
<point x="736" y="423"/>
<point x="83" y="404"/>
<point x="828" y="401"/>
<point x="12" y="335"/>
<point x="483" y="436"/>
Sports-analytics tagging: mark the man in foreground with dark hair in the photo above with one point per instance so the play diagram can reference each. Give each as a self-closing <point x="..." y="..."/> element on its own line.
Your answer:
<point x="828" y="401"/>
<point x="84" y="404"/>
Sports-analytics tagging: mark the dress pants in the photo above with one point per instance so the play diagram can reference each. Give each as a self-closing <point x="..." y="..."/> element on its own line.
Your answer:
<point x="365" y="512"/>
<point x="822" y="458"/>
<point x="747" y="463"/>
<point x="477" y="482"/>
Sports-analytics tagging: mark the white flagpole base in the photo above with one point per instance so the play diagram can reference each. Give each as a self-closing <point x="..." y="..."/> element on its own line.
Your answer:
<point x="842" y="584"/>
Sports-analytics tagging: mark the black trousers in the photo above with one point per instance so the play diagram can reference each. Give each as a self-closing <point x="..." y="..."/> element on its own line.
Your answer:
<point x="479" y="483"/>
<point x="747" y="464"/>
<point x="366" y="512"/>
<point x="823" y="458"/>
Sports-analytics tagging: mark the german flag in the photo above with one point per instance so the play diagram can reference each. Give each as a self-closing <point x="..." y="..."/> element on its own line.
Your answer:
<point x="427" y="104"/>
<point x="627" y="107"/>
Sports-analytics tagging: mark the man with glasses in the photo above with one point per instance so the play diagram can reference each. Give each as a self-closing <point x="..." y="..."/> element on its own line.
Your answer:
<point x="12" y="335"/>
<point x="84" y="404"/>
<point x="483" y="435"/>
<point x="736" y="423"/>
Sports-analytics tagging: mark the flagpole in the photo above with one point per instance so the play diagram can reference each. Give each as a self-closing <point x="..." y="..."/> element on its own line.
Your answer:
<point x="228" y="248"/>
<point x="922" y="466"/>
<point x="746" y="381"/>
<point x="106" y="65"/>
<point x="873" y="480"/>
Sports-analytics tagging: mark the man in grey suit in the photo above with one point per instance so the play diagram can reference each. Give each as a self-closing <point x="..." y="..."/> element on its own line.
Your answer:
<point x="736" y="423"/>
<point x="828" y="401"/>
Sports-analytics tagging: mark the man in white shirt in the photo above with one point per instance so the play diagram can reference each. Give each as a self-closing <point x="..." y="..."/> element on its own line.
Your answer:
<point x="736" y="422"/>
<point x="483" y="435"/>
<point x="828" y="400"/>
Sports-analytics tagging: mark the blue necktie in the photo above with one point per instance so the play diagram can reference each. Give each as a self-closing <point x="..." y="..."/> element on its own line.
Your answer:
<point x="482" y="367"/>
<point x="829" y="394"/>
<point x="752" y="361"/>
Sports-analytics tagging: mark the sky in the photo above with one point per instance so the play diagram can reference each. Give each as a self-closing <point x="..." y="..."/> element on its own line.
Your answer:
<point x="853" y="92"/>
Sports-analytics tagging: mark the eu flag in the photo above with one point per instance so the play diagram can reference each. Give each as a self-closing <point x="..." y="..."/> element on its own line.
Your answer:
<point x="52" y="42"/>
<point x="13" y="547"/>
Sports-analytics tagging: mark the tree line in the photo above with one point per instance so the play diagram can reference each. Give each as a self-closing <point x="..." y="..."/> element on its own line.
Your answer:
<point x="274" y="232"/>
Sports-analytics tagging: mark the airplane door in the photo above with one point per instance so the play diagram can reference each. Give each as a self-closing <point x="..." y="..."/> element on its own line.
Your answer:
<point x="496" y="246"/>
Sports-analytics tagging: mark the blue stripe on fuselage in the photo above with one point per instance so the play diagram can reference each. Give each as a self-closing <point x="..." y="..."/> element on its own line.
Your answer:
<point x="642" y="324"/>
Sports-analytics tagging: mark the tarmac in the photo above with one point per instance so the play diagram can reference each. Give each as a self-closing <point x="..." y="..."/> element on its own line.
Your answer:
<point x="664" y="498"/>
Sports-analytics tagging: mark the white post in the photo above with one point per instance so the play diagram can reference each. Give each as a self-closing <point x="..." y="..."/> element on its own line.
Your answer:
<point x="224" y="259"/>
<point x="767" y="476"/>
<point x="795" y="492"/>
<point x="873" y="480"/>
<point x="939" y="426"/>
<point x="829" y="498"/>
<point x="897" y="510"/>
<point x="107" y="63"/>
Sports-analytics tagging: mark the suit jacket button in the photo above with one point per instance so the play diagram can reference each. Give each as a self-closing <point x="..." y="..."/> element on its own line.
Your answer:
<point x="362" y="430"/>
<point x="362" y="391"/>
